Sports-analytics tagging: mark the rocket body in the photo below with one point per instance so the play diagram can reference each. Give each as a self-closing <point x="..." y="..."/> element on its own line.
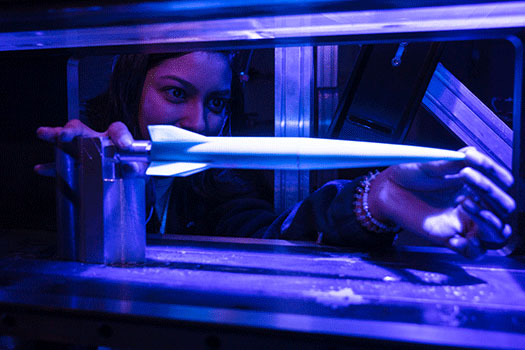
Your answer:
<point x="178" y="152"/>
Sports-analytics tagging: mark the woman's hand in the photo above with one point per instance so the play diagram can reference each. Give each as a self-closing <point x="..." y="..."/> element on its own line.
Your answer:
<point x="457" y="204"/>
<point x="117" y="132"/>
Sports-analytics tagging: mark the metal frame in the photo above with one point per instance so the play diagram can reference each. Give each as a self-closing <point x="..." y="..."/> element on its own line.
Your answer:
<point x="467" y="117"/>
<point x="294" y="92"/>
<point x="192" y="327"/>
<point x="326" y="87"/>
<point x="101" y="209"/>
<point x="212" y="24"/>
<point x="28" y="311"/>
<point x="192" y="293"/>
<point x="518" y="147"/>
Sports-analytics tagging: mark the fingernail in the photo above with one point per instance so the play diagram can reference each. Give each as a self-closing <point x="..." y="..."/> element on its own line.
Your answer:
<point x="125" y="141"/>
<point x="470" y="206"/>
<point x="507" y="231"/>
<point x="454" y="242"/>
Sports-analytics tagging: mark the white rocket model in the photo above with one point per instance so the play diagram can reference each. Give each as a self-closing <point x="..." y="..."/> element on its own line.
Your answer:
<point x="178" y="152"/>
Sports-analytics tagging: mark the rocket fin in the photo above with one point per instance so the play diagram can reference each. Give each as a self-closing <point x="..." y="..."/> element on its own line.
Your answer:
<point x="170" y="133"/>
<point x="175" y="168"/>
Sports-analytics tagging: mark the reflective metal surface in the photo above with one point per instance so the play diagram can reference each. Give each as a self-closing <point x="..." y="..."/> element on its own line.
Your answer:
<point x="105" y="221"/>
<point x="67" y="203"/>
<point x="467" y="117"/>
<point x="327" y="92"/>
<point x="294" y="93"/>
<point x="295" y="294"/>
<point x="124" y="220"/>
<point x="189" y="25"/>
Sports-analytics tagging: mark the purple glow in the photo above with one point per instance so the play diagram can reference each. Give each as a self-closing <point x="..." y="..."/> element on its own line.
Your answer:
<point x="411" y="20"/>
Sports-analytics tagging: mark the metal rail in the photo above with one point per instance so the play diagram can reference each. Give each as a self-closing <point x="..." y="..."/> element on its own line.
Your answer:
<point x="189" y="25"/>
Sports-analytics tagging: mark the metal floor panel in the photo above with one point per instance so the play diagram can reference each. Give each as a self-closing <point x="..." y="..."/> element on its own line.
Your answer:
<point x="244" y="287"/>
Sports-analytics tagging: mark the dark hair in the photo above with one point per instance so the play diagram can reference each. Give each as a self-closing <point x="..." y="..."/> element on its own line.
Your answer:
<point x="120" y="102"/>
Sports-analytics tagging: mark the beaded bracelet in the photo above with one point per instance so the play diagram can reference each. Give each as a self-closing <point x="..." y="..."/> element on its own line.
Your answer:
<point x="361" y="208"/>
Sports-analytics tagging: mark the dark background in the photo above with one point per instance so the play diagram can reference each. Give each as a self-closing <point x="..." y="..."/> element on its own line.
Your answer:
<point x="32" y="93"/>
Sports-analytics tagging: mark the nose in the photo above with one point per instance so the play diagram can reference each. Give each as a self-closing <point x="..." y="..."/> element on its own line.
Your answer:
<point x="194" y="118"/>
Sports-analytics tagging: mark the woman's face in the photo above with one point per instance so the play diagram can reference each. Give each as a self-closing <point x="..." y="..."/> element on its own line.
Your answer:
<point x="191" y="91"/>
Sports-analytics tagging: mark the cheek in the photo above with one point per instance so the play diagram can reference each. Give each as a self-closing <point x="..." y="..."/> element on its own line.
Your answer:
<point x="215" y="123"/>
<point x="154" y="109"/>
<point x="151" y="108"/>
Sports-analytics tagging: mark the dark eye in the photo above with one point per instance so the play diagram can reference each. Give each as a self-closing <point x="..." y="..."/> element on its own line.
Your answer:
<point x="176" y="94"/>
<point x="217" y="105"/>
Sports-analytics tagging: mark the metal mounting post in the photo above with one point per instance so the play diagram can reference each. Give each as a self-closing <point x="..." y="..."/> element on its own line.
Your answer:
<point x="294" y="86"/>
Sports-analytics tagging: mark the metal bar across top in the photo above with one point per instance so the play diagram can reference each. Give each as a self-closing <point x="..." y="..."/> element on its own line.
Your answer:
<point x="282" y="23"/>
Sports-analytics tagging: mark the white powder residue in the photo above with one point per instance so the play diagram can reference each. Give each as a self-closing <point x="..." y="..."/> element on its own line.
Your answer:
<point x="337" y="298"/>
<point x="391" y="279"/>
<point x="342" y="259"/>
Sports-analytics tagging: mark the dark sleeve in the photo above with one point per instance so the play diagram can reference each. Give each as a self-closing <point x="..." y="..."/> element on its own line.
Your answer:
<point x="327" y="211"/>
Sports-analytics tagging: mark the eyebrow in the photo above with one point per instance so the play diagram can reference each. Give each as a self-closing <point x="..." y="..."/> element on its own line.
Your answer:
<point x="187" y="85"/>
